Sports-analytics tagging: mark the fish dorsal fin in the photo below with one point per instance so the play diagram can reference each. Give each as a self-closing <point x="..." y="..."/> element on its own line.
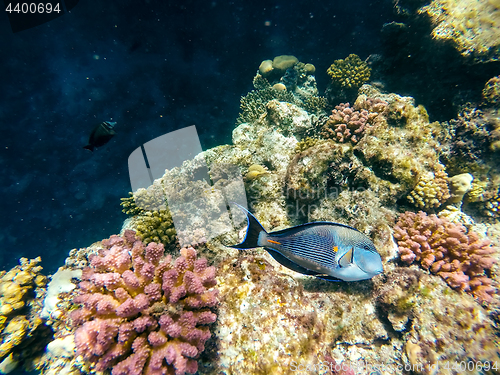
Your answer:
<point x="346" y="259"/>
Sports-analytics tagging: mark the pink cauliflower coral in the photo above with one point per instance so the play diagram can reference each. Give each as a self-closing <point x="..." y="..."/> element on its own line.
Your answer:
<point x="140" y="312"/>
<point x="448" y="250"/>
<point x="345" y="124"/>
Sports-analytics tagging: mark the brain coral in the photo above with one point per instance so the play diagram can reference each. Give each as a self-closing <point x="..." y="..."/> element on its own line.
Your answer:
<point x="141" y="313"/>
<point x="448" y="250"/>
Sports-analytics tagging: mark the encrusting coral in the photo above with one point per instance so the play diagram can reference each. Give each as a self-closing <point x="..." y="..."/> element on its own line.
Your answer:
<point x="447" y="249"/>
<point x="437" y="325"/>
<point x="140" y="313"/>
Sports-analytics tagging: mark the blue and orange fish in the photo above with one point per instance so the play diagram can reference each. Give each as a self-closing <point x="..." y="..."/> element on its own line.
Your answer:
<point x="323" y="249"/>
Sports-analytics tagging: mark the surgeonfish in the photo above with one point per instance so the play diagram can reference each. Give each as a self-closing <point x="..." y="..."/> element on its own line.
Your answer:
<point x="327" y="250"/>
<point x="101" y="135"/>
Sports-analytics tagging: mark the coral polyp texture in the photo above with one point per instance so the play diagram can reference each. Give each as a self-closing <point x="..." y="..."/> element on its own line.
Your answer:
<point x="447" y="249"/>
<point x="141" y="312"/>
<point x="431" y="190"/>
<point x="350" y="72"/>
<point x="21" y="330"/>
<point x="346" y="124"/>
<point x="491" y="92"/>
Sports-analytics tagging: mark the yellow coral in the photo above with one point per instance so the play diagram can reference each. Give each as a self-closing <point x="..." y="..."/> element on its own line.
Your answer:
<point x="472" y="26"/>
<point x="349" y="73"/>
<point x="284" y="62"/>
<point x="476" y="194"/>
<point x="491" y="91"/>
<point x="17" y="292"/>
<point x="459" y="185"/>
<point x="255" y="171"/>
<point x="431" y="190"/>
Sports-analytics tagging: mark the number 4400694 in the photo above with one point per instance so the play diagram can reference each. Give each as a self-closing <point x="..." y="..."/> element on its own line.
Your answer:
<point x="33" y="7"/>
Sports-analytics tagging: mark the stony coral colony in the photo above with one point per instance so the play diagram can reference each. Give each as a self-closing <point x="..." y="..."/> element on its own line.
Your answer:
<point x="374" y="162"/>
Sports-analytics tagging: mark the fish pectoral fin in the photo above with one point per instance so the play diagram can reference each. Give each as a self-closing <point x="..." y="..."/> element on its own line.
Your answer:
<point x="346" y="259"/>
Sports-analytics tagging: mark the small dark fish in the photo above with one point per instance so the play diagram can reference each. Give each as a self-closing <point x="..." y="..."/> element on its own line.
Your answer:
<point x="101" y="135"/>
<point x="323" y="249"/>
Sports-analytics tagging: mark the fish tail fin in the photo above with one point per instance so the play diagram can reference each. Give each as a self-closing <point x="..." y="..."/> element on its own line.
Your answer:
<point x="89" y="147"/>
<point x="254" y="230"/>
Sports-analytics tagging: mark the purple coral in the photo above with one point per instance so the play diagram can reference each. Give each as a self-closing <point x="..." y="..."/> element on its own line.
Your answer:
<point x="448" y="250"/>
<point x="346" y="124"/>
<point x="141" y="313"/>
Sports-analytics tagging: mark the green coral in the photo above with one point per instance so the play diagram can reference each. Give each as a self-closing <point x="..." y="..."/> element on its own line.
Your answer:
<point x="306" y="143"/>
<point x="129" y="206"/>
<point x="349" y="73"/>
<point x="314" y="104"/>
<point x="150" y="199"/>
<point x="253" y="105"/>
<point x="157" y="226"/>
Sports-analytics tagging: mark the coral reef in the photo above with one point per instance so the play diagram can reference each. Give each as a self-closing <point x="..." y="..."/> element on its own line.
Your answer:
<point x="459" y="256"/>
<point x="472" y="137"/>
<point x="150" y="199"/>
<point x="129" y="206"/>
<point x="253" y="105"/>
<point x="492" y="206"/>
<point x="491" y="92"/>
<point x="472" y="26"/>
<point x="156" y="226"/>
<point x="286" y="80"/>
<point x="345" y="124"/>
<point x="431" y="190"/>
<point x="460" y="185"/>
<point x="141" y="312"/>
<point x="349" y="73"/>
<point x="289" y="118"/>
<point x="22" y="332"/>
<point x="438" y="325"/>
<point x="255" y="171"/>
<point x="270" y="322"/>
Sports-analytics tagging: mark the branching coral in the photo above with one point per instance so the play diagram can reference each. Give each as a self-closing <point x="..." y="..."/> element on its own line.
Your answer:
<point x="448" y="250"/>
<point x="346" y="124"/>
<point x="141" y="313"/>
<point x="253" y="105"/>
<point x="349" y="73"/>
